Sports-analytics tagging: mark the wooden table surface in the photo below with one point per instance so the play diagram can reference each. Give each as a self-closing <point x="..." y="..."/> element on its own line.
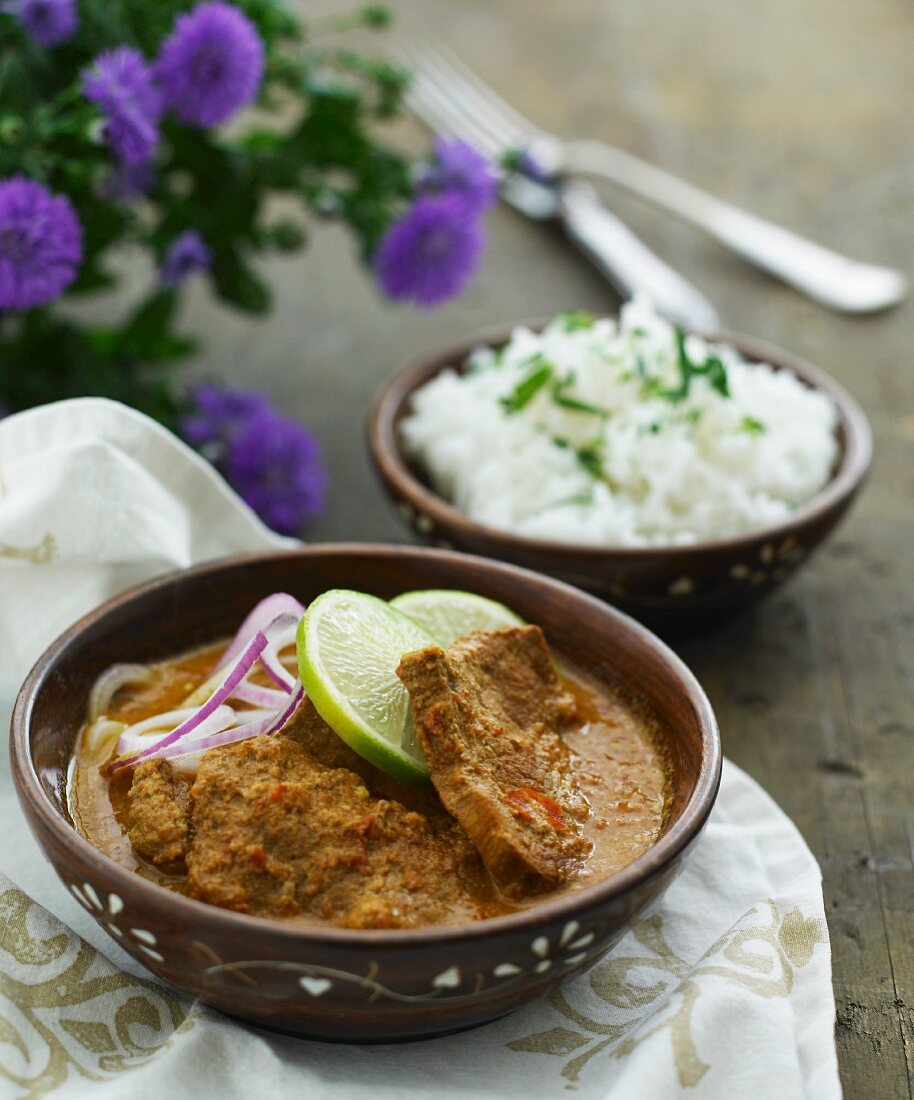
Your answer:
<point x="800" y="110"/>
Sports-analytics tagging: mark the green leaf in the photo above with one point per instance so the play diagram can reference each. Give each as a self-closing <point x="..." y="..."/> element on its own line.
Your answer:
<point x="591" y="458"/>
<point x="145" y="329"/>
<point x="752" y="426"/>
<point x="91" y="279"/>
<point x="716" y="374"/>
<point x="575" y="320"/>
<point x="713" y="368"/>
<point x="285" y="236"/>
<point x="524" y="392"/>
<point x="565" y="400"/>
<point x="239" y="284"/>
<point x="376" y="15"/>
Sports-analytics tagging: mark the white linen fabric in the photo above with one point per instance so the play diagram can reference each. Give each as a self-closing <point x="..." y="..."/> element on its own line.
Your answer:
<point x="723" y="991"/>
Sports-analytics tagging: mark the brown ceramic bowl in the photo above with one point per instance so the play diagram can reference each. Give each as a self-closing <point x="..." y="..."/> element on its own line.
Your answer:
<point x="333" y="983"/>
<point x="663" y="585"/>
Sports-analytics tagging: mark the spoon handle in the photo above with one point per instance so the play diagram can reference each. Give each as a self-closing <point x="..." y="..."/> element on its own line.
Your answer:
<point x="832" y="279"/>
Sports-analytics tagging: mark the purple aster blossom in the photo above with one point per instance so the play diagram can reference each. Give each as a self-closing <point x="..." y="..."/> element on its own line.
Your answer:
<point x="458" y="169"/>
<point x="48" y="22"/>
<point x="218" y="415"/>
<point x="275" y="465"/>
<point x="186" y="254"/>
<point x="211" y="65"/>
<point x="41" y="244"/>
<point x="429" y="254"/>
<point x="121" y="84"/>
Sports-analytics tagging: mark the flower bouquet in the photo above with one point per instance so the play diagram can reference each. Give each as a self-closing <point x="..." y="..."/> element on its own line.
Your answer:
<point x="112" y="135"/>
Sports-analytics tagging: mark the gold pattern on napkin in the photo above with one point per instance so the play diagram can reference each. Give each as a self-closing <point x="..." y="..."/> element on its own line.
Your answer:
<point x="64" y="1008"/>
<point x="739" y="956"/>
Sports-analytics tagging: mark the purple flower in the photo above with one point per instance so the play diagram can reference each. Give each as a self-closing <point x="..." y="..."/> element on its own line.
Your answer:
<point x="430" y="253"/>
<point x="41" y="244"/>
<point x="211" y="65"/>
<point x="276" y="467"/>
<point x="218" y="416"/>
<point x="121" y="84"/>
<point x="272" y="462"/>
<point x="459" y="170"/>
<point x="49" y="22"/>
<point x="186" y="254"/>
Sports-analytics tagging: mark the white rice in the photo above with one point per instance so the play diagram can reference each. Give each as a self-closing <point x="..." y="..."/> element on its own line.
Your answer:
<point x="647" y="468"/>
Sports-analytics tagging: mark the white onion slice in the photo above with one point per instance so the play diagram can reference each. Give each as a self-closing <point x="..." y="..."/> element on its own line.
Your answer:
<point x="276" y="670"/>
<point x="268" y="698"/>
<point x="110" y="683"/>
<point x="101" y="736"/>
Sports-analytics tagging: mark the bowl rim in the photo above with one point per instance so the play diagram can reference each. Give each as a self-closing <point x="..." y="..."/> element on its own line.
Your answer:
<point x="114" y="877"/>
<point x="388" y="459"/>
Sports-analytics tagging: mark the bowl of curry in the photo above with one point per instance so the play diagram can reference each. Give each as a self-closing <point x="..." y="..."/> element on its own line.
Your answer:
<point x="570" y="763"/>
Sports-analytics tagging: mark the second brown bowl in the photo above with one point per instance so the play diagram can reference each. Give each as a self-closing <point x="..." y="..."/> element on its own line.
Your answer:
<point x="675" y="585"/>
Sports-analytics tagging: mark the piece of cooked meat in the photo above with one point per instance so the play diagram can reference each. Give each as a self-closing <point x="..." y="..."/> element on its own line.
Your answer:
<point x="308" y="728"/>
<point x="489" y="714"/>
<point x="278" y="833"/>
<point x="158" y="815"/>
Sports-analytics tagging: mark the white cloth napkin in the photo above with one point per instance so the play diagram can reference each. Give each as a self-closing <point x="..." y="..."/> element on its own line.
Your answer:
<point x="724" y="991"/>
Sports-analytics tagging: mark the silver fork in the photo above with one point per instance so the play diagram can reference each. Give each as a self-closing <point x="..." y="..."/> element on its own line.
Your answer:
<point x="611" y="246"/>
<point x="444" y="84"/>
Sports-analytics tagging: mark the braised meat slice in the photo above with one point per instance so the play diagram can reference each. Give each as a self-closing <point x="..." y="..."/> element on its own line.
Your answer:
<point x="158" y="816"/>
<point x="308" y="728"/>
<point x="278" y="833"/>
<point x="489" y="714"/>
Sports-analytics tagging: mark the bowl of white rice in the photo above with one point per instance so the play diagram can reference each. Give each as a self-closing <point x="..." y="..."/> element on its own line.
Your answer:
<point x="671" y="473"/>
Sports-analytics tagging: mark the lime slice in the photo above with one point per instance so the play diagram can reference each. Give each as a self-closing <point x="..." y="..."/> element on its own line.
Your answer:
<point x="349" y="646"/>
<point x="448" y="614"/>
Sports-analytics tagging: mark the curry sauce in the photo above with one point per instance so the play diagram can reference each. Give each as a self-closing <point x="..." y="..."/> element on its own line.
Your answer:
<point x="410" y="847"/>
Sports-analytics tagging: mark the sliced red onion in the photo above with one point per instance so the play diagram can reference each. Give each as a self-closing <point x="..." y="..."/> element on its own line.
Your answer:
<point x="295" y="701"/>
<point x="268" y="698"/>
<point x="276" y="670"/>
<point x="262" y="616"/>
<point x="138" y="737"/>
<point x="280" y="633"/>
<point x="236" y="674"/>
<point x="164" y="722"/>
<point x="110" y="683"/>
<point x="271" y="723"/>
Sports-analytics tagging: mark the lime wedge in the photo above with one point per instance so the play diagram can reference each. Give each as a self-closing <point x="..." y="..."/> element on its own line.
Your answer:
<point x="448" y="614"/>
<point x="349" y="647"/>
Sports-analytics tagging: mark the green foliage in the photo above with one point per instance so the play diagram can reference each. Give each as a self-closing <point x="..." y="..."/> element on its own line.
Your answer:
<point x="575" y="320"/>
<point x="566" y="400"/>
<point x="529" y="386"/>
<point x="311" y="140"/>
